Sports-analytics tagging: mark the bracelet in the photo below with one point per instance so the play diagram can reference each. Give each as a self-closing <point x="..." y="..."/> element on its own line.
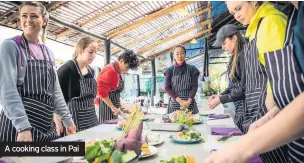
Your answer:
<point x="19" y="130"/>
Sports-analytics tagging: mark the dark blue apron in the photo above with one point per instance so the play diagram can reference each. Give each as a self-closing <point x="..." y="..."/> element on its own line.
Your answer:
<point x="105" y="112"/>
<point x="287" y="81"/>
<point x="181" y="86"/>
<point x="37" y="97"/>
<point x="235" y="83"/>
<point x="255" y="107"/>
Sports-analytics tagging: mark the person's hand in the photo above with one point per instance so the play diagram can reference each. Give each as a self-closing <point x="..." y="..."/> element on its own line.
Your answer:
<point x="214" y="102"/>
<point x="187" y="103"/>
<point x="25" y="136"/>
<point x="230" y="153"/>
<point x="59" y="128"/>
<point x="181" y="102"/>
<point x="117" y="111"/>
<point x="212" y="97"/>
<point x="71" y="130"/>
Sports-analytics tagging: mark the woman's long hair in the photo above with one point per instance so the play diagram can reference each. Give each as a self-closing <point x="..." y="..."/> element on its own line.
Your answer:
<point x="240" y="46"/>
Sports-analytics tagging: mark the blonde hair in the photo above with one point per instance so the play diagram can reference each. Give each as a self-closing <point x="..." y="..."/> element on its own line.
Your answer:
<point x="82" y="44"/>
<point x="44" y="13"/>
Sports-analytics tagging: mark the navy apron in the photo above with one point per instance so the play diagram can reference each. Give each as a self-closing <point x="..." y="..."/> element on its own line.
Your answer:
<point x="255" y="107"/>
<point x="82" y="108"/>
<point x="181" y="86"/>
<point x="105" y="112"/>
<point x="235" y="83"/>
<point x="287" y="81"/>
<point x="37" y="97"/>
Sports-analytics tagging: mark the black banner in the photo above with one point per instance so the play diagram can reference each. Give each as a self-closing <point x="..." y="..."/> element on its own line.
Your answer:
<point x="42" y="149"/>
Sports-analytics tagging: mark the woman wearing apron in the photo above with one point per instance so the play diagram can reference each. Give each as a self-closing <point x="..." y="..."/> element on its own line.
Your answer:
<point x="287" y="81"/>
<point x="287" y="125"/>
<point x="79" y="86"/>
<point x="30" y="91"/>
<point x="110" y="85"/>
<point x="229" y="38"/>
<point x="266" y="27"/>
<point x="181" y="83"/>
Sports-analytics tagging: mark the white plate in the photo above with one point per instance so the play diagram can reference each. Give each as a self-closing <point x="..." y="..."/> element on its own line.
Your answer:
<point x="159" y="141"/>
<point x="153" y="151"/>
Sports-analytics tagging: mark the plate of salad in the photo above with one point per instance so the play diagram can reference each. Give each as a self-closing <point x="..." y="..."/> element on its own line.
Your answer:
<point x="187" y="137"/>
<point x="183" y="117"/>
<point x="179" y="159"/>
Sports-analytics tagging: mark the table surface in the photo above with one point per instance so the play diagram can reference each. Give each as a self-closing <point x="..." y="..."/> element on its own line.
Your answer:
<point x="165" y="150"/>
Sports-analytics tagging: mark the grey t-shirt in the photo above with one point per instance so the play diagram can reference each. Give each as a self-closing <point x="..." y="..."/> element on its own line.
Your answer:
<point x="12" y="73"/>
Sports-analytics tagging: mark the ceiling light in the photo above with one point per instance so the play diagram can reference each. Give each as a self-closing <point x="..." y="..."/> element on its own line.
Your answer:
<point x="193" y="41"/>
<point x="183" y="11"/>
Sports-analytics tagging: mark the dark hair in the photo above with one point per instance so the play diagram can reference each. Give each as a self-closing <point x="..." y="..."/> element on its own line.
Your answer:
<point x="130" y="58"/>
<point x="178" y="46"/>
<point x="240" y="46"/>
<point x="43" y="12"/>
<point x="82" y="44"/>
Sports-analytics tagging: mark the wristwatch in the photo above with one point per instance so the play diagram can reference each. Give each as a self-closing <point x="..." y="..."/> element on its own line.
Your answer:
<point x="26" y="129"/>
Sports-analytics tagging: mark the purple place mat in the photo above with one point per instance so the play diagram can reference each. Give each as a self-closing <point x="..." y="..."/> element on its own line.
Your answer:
<point x="255" y="159"/>
<point x="218" y="116"/>
<point x="225" y="131"/>
<point x="112" y="121"/>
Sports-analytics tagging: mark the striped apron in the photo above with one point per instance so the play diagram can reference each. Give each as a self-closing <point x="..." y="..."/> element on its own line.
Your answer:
<point x="37" y="97"/>
<point x="235" y="83"/>
<point x="287" y="82"/>
<point x="181" y="86"/>
<point x="82" y="108"/>
<point x="105" y="112"/>
<point x="255" y="107"/>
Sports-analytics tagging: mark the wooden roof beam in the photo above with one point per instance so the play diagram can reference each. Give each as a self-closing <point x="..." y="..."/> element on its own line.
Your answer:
<point x="161" y="53"/>
<point x="209" y="14"/>
<point x="48" y="7"/>
<point x="92" y="19"/>
<point x="142" y="37"/>
<point x="147" y="19"/>
<point x="147" y="48"/>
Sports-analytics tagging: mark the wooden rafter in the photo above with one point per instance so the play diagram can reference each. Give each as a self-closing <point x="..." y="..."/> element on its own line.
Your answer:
<point x="147" y="48"/>
<point x="159" y="53"/>
<point x="147" y="19"/>
<point x="54" y="5"/>
<point x="10" y="18"/>
<point x="12" y="9"/>
<point x="92" y="19"/>
<point x="48" y="7"/>
<point x="142" y="37"/>
<point x="209" y="14"/>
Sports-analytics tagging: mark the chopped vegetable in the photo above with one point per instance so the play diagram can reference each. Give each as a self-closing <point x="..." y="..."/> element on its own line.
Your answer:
<point x="130" y="155"/>
<point x="179" y="159"/>
<point x="188" y="135"/>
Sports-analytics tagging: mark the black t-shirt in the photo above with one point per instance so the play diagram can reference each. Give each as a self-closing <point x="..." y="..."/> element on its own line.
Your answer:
<point x="69" y="79"/>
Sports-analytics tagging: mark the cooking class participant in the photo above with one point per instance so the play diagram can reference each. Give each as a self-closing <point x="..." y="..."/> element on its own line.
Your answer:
<point x="266" y="26"/>
<point x="181" y="83"/>
<point x="110" y="85"/>
<point x="287" y="125"/>
<point x="230" y="39"/>
<point x="30" y="90"/>
<point x="79" y="86"/>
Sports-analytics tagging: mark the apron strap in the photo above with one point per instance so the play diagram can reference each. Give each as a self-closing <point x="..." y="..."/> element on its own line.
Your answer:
<point x="256" y="32"/>
<point x="27" y="48"/>
<point x="290" y="24"/>
<point x="78" y="69"/>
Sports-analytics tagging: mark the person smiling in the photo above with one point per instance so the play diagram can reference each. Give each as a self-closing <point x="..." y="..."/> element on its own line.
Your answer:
<point x="181" y="83"/>
<point x="79" y="86"/>
<point x="230" y="39"/>
<point x="29" y="88"/>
